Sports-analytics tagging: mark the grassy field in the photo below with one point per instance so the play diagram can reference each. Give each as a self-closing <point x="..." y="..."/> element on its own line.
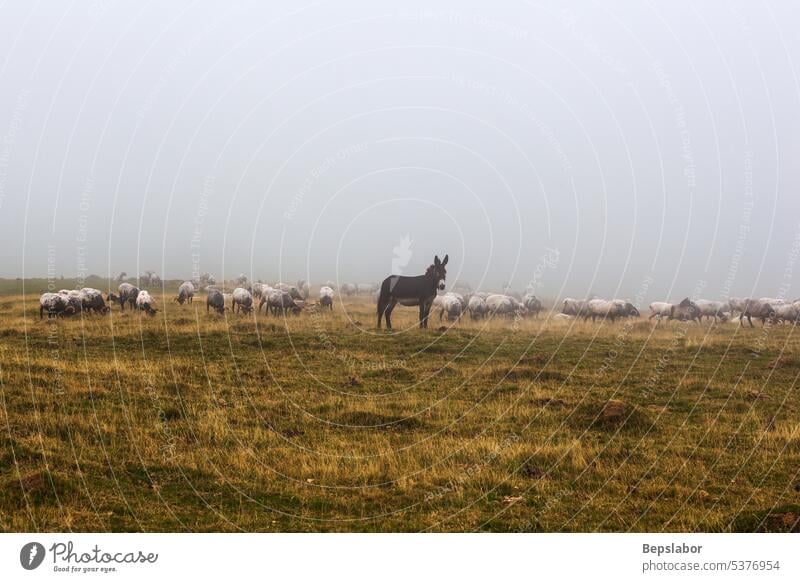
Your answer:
<point x="194" y="421"/>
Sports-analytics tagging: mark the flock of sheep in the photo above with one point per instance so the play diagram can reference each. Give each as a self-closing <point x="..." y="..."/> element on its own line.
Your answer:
<point x="283" y="299"/>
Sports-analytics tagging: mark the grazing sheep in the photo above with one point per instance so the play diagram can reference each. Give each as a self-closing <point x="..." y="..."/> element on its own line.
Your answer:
<point x="452" y="304"/>
<point x="261" y="289"/>
<point x="145" y="302"/>
<point x="296" y="293"/>
<point x="127" y="294"/>
<point x="788" y="312"/>
<point x="242" y="300"/>
<point x="532" y="304"/>
<point x="576" y="307"/>
<point x="477" y="307"/>
<point x="215" y="300"/>
<point x="326" y="297"/>
<point x="92" y="300"/>
<point x="757" y="308"/>
<point x="712" y="309"/>
<point x="279" y="302"/>
<point x="609" y="309"/>
<point x="686" y="310"/>
<point x="348" y="289"/>
<point x="504" y="305"/>
<point x="185" y="292"/>
<point x="56" y="305"/>
<point x="660" y="309"/>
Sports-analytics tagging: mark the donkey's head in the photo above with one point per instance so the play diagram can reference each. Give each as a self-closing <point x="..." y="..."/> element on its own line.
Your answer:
<point x="438" y="272"/>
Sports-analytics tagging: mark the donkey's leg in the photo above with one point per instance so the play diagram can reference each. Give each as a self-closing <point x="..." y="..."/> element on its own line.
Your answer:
<point x="388" y="312"/>
<point x="383" y="305"/>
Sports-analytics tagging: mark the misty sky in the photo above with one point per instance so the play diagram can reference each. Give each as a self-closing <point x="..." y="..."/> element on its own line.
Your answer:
<point x="624" y="149"/>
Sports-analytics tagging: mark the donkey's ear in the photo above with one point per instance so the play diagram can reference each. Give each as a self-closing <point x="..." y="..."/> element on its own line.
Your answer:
<point x="446" y="258"/>
<point x="436" y="260"/>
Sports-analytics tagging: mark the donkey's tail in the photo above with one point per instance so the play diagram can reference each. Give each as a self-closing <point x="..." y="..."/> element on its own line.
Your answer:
<point x="383" y="300"/>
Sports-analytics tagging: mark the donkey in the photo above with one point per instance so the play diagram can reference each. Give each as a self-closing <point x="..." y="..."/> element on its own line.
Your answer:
<point x="411" y="291"/>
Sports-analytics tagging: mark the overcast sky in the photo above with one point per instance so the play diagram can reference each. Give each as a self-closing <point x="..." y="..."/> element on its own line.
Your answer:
<point x="623" y="149"/>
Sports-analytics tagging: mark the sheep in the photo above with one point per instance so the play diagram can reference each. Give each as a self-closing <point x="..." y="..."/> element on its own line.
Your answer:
<point x="611" y="309"/>
<point x="296" y="293"/>
<point x="660" y="309"/>
<point x="756" y="308"/>
<point x="787" y="312"/>
<point x="261" y="289"/>
<point x="712" y="309"/>
<point x="281" y="301"/>
<point x="127" y="294"/>
<point x="242" y="300"/>
<point x="477" y="307"/>
<point x="576" y="307"/>
<point x="532" y="304"/>
<point x="145" y="302"/>
<point x="348" y="289"/>
<point x="497" y="304"/>
<point x="603" y="308"/>
<point x="326" y="297"/>
<point x="686" y="310"/>
<point x="92" y="300"/>
<point x="56" y="305"/>
<point x="215" y="300"/>
<point x="185" y="293"/>
<point x="452" y="304"/>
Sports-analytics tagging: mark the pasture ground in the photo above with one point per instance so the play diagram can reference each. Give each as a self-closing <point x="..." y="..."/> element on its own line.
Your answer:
<point x="194" y="421"/>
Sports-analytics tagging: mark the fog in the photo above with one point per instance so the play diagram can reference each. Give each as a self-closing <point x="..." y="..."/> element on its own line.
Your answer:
<point x="630" y="149"/>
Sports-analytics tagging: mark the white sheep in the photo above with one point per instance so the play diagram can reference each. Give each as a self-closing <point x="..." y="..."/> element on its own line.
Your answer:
<point x="242" y="300"/>
<point x="145" y="302"/>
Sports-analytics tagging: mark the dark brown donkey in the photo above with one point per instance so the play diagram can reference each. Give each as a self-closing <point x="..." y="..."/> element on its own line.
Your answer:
<point x="410" y="291"/>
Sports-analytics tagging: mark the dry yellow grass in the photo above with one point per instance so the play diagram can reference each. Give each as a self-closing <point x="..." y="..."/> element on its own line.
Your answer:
<point x="193" y="421"/>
